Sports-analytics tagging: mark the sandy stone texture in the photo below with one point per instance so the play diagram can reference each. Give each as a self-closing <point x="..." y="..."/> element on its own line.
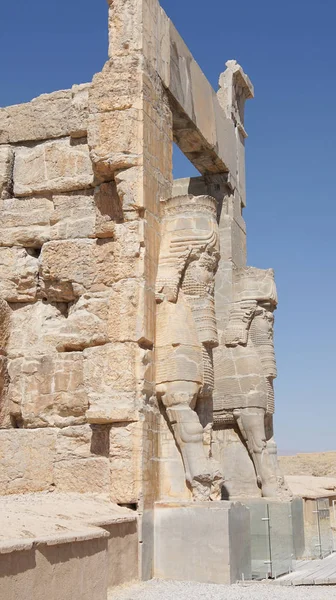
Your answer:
<point x="48" y="116"/>
<point x="53" y="166"/>
<point x="26" y="460"/>
<point x="18" y="275"/>
<point x="48" y="390"/>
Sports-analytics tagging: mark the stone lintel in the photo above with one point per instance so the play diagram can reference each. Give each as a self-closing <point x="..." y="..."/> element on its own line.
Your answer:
<point x="201" y="129"/>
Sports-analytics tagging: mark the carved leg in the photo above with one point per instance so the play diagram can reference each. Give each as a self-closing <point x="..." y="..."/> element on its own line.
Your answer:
<point x="273" y="449"/>
<point x="179" y="398"/>
<point x="251" y="422"/>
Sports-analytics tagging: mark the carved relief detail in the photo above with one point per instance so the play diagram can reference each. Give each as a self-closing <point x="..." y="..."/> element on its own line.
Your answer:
<point x="187" y="331"/>
<point x="246" y="369"/>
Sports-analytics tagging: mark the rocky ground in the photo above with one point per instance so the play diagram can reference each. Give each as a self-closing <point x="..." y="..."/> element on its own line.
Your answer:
<point x="318" y="464"/>
<point x="173" y="590"/>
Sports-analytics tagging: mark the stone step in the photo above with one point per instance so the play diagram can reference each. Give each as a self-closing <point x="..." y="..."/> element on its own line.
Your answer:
<point x="65" y="546"/>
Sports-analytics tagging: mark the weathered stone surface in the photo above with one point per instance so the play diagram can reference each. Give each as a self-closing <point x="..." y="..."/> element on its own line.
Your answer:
<point x="85" y="325"/>
<point x="125" y="27"/>
<point x="110" y="382"/>
<point x="56" y="166"/>
<point x="128" y="186"/>
<point x="117" y="86"/>
<point x="33" y="328"/>
<point x="125" y="311"/>
<point x="25" y="222"/>
<point x="5" y="325"/>
<point x="125" y="461"/>
<point x="74" y="216"/>
<point x="71" y="268"/>
<point x="6" y="168"/>
<point x="48" y="390"/>
<point x="18" y="275"/>
<point x="79" y="111"/>
<point x="108" y="210"/>
<point x="5" y="417"/>
<point x="113" y="139"/>
<point x="85" y="476"/>
<point x="26" y="460"/>
<point x="30" y="222"/>
<point x="73" y="443"/>
<point x="49" y="116"/>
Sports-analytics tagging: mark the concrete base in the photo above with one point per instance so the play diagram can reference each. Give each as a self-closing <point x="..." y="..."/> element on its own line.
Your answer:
<point x="205" y="542"/>
<point x="65" y="547"/>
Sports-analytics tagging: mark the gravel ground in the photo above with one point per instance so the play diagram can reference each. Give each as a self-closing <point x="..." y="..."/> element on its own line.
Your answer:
<point x="176" y="590"/>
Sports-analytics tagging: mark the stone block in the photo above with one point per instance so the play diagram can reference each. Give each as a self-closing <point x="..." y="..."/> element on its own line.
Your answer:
<point x="85" y="326"/>
<point x="76" y="569"/>
<point x="73" y="216"/>
<point x="130" y="191"/>
<point x="83" y="475"/>
<point x="18" y="275"/>
<point x="208" y="542"/>
<point x="26" y="460"/>
<point x="48" y="390"/>
<point x="108" y="210"/>
<point x="125" y="461"/>
<point x="206" y="135"/>
<point x="126" y="305"/>
<point x="73" y="443"/>
<point x="56" y="166"/>
<point x="111" y="383"/>
<point x="70" y="268"/>
<point x="6" y="168"/>
<point x="125" y="27"/>
<point x="123" y="547"/>
<point x="49" y="116"/>
<point x="25" y="222"/>
<point x="156" y="39"/>
<point x="79" y="110"/>
<point x="30" y="222"/>
<point x="33" y="328"/>
<point x="117" y="86"/>
<point x="113" y="139"/>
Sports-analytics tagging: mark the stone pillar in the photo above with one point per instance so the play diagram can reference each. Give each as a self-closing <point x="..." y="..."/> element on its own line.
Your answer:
<point x="234" y="89"/>
<point x="130" y="138"/>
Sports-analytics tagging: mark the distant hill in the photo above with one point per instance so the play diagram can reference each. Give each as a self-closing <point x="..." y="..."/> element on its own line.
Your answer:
<point x="319" y="464"/>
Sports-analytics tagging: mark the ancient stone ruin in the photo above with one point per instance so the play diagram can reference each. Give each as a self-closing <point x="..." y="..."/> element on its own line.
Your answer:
<point x="137" y="358"/>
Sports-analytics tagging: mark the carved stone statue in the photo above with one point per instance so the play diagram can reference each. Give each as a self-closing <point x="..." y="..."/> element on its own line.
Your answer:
<point x="246" y="369"/>
<point x="186" y="330"/>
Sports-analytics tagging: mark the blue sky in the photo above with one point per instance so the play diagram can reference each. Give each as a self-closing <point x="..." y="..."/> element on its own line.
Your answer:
<point x="288" y="50"/>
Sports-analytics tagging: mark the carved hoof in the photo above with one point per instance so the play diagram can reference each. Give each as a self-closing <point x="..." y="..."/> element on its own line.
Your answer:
<point x="216" y="488"/>
<point x="201" y="490"/>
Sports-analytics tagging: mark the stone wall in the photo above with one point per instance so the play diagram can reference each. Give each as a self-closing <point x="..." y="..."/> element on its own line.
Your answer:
<point x="71" y="283"/>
